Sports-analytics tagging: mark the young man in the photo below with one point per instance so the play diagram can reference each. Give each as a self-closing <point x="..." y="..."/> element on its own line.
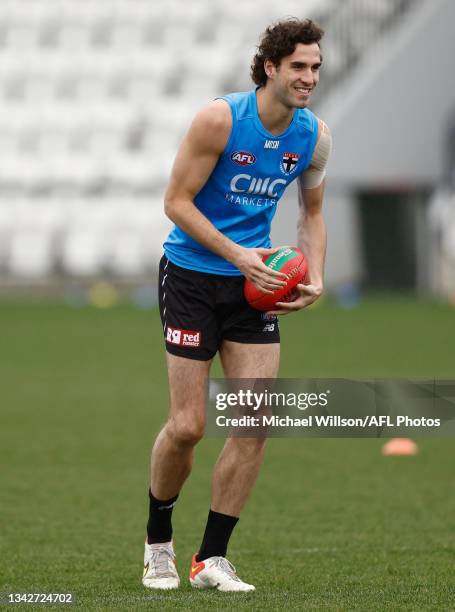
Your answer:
<point x="233" y="166"/>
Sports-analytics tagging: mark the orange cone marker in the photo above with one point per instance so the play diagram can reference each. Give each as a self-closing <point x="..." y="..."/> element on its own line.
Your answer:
<point x="400" y="446"/>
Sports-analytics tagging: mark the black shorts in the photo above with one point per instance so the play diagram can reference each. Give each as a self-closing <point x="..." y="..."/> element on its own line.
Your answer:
<point x="200" y="310"/>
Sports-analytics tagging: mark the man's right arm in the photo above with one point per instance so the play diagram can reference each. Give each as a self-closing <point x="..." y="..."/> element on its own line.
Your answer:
<point x="195" y="161"/>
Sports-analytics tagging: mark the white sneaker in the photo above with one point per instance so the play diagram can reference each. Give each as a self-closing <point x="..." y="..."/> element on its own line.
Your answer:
<point x="216" y="572"/>
<point x="159" y="566"/>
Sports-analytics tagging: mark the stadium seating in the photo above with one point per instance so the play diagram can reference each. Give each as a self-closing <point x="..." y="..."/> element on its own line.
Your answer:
<point x="94" y="98"/>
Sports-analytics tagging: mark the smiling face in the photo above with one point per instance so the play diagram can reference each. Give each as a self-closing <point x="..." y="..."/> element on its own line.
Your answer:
<point x="293" y="81"/>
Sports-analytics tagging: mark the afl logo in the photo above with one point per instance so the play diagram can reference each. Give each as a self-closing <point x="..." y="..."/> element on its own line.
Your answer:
<point x="243" y="158"/>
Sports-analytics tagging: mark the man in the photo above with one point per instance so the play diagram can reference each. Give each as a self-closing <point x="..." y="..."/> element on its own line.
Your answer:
<point x="232" y="167"/>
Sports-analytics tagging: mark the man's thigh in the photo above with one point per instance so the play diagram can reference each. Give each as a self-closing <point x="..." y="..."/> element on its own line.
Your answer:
<point x="241" y="360"/>
<point x="188" y="379"/>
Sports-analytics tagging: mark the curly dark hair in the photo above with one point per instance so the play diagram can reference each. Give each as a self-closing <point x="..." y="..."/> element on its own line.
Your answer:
<point x="279" y="40"/>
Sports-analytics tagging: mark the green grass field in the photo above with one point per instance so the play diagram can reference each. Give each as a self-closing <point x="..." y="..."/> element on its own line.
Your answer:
<point x="331" y="525"/>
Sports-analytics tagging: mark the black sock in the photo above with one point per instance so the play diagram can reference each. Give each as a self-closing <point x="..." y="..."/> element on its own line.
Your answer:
<point x="216" y="537"/>
<point x="159" y="526"/>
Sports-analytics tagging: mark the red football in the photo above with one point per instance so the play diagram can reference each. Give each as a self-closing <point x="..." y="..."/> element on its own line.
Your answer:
<point x="289" y="260"/>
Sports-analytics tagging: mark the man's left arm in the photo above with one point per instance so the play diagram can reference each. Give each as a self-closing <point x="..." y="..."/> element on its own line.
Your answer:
<point x="311" y="227"/>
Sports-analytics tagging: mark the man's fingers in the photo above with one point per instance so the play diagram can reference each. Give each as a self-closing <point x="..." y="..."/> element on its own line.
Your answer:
<point x="271" y="272"/>
<point x="263" y="286"/>
<point x="288" y="306"/>
<point x="309" y="294"/>
<point x="271" y="285"/>
<point x="263" y="251"/>
<point x="272" y="282"/>
<point x="266" y="287"/>
<point x="263" y="289"/>
<point x="309" y="289"/>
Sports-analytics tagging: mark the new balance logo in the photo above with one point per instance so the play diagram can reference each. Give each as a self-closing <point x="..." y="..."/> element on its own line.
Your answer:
<point x="270" y="327"/>
<point x="271" y="144"/>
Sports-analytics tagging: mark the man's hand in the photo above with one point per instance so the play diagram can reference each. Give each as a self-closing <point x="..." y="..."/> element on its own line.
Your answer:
<point x="308" y="295"/>
<point x="250" y="264"/>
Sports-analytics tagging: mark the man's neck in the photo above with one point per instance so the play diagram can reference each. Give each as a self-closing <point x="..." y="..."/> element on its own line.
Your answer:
<point x="274" y="116"/>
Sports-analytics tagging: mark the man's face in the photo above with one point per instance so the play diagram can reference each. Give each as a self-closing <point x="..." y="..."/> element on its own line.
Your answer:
<point x="297" y="75"/>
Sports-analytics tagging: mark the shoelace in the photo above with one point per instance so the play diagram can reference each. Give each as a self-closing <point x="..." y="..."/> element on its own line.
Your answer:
<point x="160" y="560"/>
<point x="226" y="566"/>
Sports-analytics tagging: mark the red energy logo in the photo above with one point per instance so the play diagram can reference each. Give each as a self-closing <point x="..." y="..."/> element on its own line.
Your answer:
<point x="183" y="337"/>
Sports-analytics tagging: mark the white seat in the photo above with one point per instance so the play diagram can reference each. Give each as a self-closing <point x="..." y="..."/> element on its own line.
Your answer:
<point x="8" y="215"/>
<point x="80" y="13"/>
<point x="74" y="37"/>
<point x="127" y="256"/>
<point x="30" y="253"/>
<point x="85" y="241"/>
<point x="8" y="142"/>
<point x="139" y="227"/>
<point x="155" y="226"/>
<point x="19" y="38"/>
<point x="39" y="89"/>
<point x="26" y="12"/>
<point x="38" y="214"/>
<point x="143" y="90"/>
<point x="137" y="11"/>
<point x="80" y="169"/>
<point x="82" y="253"/>
<point x="17" y="169"/>
<point x="132" y="169"/>
<point x="105" y="141"/>
<point x="125" y="36"/>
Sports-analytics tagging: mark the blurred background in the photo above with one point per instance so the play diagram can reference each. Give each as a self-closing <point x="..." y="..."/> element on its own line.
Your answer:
<point x="95" y="96"/>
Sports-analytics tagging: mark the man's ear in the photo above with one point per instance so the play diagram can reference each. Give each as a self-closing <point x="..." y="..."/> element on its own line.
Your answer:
<point x="269" y="68"/>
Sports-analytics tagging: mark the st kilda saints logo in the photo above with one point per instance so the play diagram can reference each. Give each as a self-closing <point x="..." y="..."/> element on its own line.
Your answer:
<point x="289" y="162"/>
<point x="243" y="158"/>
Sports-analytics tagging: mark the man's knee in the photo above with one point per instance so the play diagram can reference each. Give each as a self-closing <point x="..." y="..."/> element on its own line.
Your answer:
<point x="185" y="431"/>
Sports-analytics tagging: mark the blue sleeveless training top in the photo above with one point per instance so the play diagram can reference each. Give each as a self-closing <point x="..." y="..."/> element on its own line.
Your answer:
<point x="241" y="195"/>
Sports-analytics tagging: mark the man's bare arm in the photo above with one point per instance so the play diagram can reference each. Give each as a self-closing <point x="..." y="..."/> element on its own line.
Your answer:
<point x="195" y="161"/>
<point x="311" y="231"/>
